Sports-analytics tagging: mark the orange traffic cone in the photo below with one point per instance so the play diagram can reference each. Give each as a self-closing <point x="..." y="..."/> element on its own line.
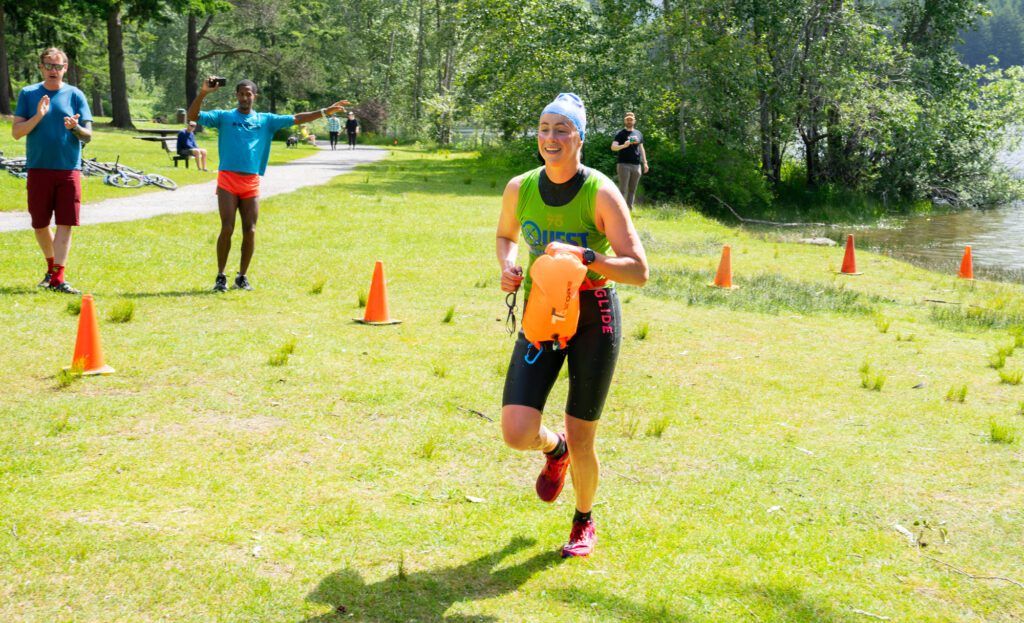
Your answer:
<point x="967" y="265"/>
<point x="88" y="351"/>
<point x="723" y="278"/>
<point x="849" y="261"/>
<point x="377" y="304"/>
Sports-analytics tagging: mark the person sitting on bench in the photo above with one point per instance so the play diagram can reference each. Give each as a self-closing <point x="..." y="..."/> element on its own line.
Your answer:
<point x="187" y="146"/>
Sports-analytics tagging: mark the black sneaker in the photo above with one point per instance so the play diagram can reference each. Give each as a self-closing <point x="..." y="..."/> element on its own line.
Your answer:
<point x="64" y="288"/>
<point x="45" y="283"/>
<point x="242" y="283"/>
<point x="221" y="284"/>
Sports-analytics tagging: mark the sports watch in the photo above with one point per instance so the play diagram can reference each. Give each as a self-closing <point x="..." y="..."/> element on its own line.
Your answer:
<point x="588" y="256"/>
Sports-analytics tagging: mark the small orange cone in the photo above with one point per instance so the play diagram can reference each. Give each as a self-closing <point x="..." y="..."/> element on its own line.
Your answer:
<point x="377" y="303"/>
<point x="723" y="278"/>
<point x="967" y="265"/>
<point x="88" y="351"/>
<point x="849" y="261"/>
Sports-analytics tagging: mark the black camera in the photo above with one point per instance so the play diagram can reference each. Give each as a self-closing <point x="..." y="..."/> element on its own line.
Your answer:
<point x="218" y="82"/>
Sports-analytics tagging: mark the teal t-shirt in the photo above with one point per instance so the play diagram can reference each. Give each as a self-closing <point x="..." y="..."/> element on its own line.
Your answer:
<point x="244" y="140"/>
<point x="50" y="145"/>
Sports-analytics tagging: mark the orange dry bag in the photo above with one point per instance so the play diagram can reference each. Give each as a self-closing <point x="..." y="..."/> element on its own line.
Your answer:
<point x="553" y="309"/>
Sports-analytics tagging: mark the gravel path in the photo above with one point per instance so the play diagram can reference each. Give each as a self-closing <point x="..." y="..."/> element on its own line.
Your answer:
<point x="282" y="178"/>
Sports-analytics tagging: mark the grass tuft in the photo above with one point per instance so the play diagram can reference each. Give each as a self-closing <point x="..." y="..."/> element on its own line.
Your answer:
<point x="630" y="425"/>
<point x="996" y="361"/>
<point x="280" y="357"/>
<point x="449" y="315"/>
<point x="957" y="394"/>
<point x="440" y="370"/>
<point x="641" y="331"/>
<point x="122" y="312"/>
<point x="1000" y="432"/>
<point x="956" y="319"/>
<point x="74" y="307"/>
<point x="1011" y="377"/>
<point x="361" y="297"/>
<point x="657" y="426"/>
<point x="318" y="286"/>
<point x="65" y="378"/>
<point x="882" y="324"/>
<point x="871" y="379"/>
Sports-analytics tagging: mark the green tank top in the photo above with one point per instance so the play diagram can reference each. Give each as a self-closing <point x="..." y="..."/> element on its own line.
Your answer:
<point x="572" y="223"/>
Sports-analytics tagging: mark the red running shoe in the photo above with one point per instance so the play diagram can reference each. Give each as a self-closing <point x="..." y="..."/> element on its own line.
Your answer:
<point x="552" y="477"/>
<point x="582" y="540"/>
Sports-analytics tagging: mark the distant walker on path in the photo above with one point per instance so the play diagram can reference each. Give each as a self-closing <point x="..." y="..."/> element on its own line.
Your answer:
<point x="244" y="140"/>
<point x="351" y="128"/>
<point x="56" y="119"/>
<point x="629" y="143"/>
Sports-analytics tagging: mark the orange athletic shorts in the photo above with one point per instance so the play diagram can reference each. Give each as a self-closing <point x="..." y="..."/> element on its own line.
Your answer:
<point x="244" y="185"/>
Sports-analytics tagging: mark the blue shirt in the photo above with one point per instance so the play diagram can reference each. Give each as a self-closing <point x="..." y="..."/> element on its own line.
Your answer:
<point x="50" y="145"/>
<point x="186" y="140"/>
<point x="244" y="140"/>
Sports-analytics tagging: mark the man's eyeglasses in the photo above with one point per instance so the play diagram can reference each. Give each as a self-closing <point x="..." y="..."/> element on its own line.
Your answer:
<point x="53" y="66"/>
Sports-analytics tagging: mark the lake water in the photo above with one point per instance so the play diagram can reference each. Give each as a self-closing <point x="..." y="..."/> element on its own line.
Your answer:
<point x="937" y="241"/>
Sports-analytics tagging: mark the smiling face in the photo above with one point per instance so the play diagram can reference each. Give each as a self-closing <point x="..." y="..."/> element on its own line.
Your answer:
<point x="246" y="98"/>
<point x="53" y="67"/>
<point x="558" y="140"/>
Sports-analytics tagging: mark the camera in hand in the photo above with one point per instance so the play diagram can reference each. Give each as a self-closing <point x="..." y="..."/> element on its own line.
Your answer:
<point x="218" y="82"/>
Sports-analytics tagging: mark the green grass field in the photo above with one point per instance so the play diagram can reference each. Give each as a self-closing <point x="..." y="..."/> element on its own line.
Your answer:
<point x="748" y="473"/>
<point x="108" y="144"/>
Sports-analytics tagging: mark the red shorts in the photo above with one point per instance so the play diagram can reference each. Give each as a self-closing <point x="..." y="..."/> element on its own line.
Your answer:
<point x="243" y="185"/>
<point x="54" y="194"/>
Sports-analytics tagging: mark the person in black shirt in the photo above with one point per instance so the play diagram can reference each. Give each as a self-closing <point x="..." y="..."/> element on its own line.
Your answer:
<point x="629" y="144"/>
<point x="351" y="128"/>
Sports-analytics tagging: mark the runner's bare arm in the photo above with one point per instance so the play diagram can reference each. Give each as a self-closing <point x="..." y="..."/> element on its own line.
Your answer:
<point x="306" y="117"/>
<point x="507" y="242"/>
<point x="629" y="265"/>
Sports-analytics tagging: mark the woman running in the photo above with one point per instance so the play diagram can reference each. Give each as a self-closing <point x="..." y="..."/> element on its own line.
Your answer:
<point x="581" y="209"/>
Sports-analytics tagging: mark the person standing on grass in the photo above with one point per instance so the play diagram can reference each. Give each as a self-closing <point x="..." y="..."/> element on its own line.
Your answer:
<point x="565" y="201"/>
<point x="244" y="140"/>
<point x="333" y="130"/>
<point x="351" y="128"/>
<point x="187" y="146"/>
<point x="57" y="121"/>
<point x="629" y="144"/>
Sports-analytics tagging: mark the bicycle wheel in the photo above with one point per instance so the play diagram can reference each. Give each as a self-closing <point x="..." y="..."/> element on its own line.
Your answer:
<point x="120" y="180"/>
<point x="159" y="180"/>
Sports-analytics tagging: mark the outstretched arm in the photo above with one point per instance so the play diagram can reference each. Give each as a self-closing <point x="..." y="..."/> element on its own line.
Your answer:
<point x="306" y="117"/>
<point x="205" y="88"/>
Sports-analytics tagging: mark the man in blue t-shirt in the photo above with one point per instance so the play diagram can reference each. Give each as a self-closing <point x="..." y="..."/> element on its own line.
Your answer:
<point x="243" y="137"/>
<point x="56" y="119"/>
<point x="188" y="148"/>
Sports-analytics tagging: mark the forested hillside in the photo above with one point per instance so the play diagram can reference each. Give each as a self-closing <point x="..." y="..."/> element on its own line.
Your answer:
<point x="1000" y="35"/>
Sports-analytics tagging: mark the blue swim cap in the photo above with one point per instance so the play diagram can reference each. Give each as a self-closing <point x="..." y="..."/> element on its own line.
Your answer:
<point x="569" y="105"/>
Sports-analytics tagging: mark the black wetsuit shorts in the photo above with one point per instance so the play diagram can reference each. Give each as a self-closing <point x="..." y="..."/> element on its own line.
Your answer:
<point x="592" y="354"/>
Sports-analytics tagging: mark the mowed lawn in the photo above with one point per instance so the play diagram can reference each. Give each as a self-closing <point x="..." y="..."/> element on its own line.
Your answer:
<point x="747" y="473"/>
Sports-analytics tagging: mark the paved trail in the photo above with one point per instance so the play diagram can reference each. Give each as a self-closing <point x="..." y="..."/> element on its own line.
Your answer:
<point x="282" y="178"/>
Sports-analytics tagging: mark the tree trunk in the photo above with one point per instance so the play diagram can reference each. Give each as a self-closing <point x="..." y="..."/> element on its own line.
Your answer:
<point x="766" y="135"/>
<point x="191" y="61"/>
<point x="122" y="116"/>
<point x="97" y="100"/>
<point x="420" y="53"/>
<point x="5" y="76"/>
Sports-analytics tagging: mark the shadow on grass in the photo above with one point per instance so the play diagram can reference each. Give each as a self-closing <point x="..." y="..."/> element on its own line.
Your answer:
<point x="427" y="595"/>
<point x="756" y="601"/>
<point x="20" y="290"/>
<point x="170" y="294"/>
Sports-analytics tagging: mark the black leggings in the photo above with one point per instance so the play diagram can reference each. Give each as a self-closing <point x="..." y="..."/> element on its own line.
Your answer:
<point x="352" y="139"/>
<point x="592" y="354"/>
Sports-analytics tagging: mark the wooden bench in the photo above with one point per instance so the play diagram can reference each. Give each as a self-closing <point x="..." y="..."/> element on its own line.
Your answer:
<point x="171" y="147"/>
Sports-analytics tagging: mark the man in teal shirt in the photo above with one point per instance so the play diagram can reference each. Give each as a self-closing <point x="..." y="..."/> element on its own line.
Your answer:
<point x="244" y="138"/>
<point x="56" y="119"/>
